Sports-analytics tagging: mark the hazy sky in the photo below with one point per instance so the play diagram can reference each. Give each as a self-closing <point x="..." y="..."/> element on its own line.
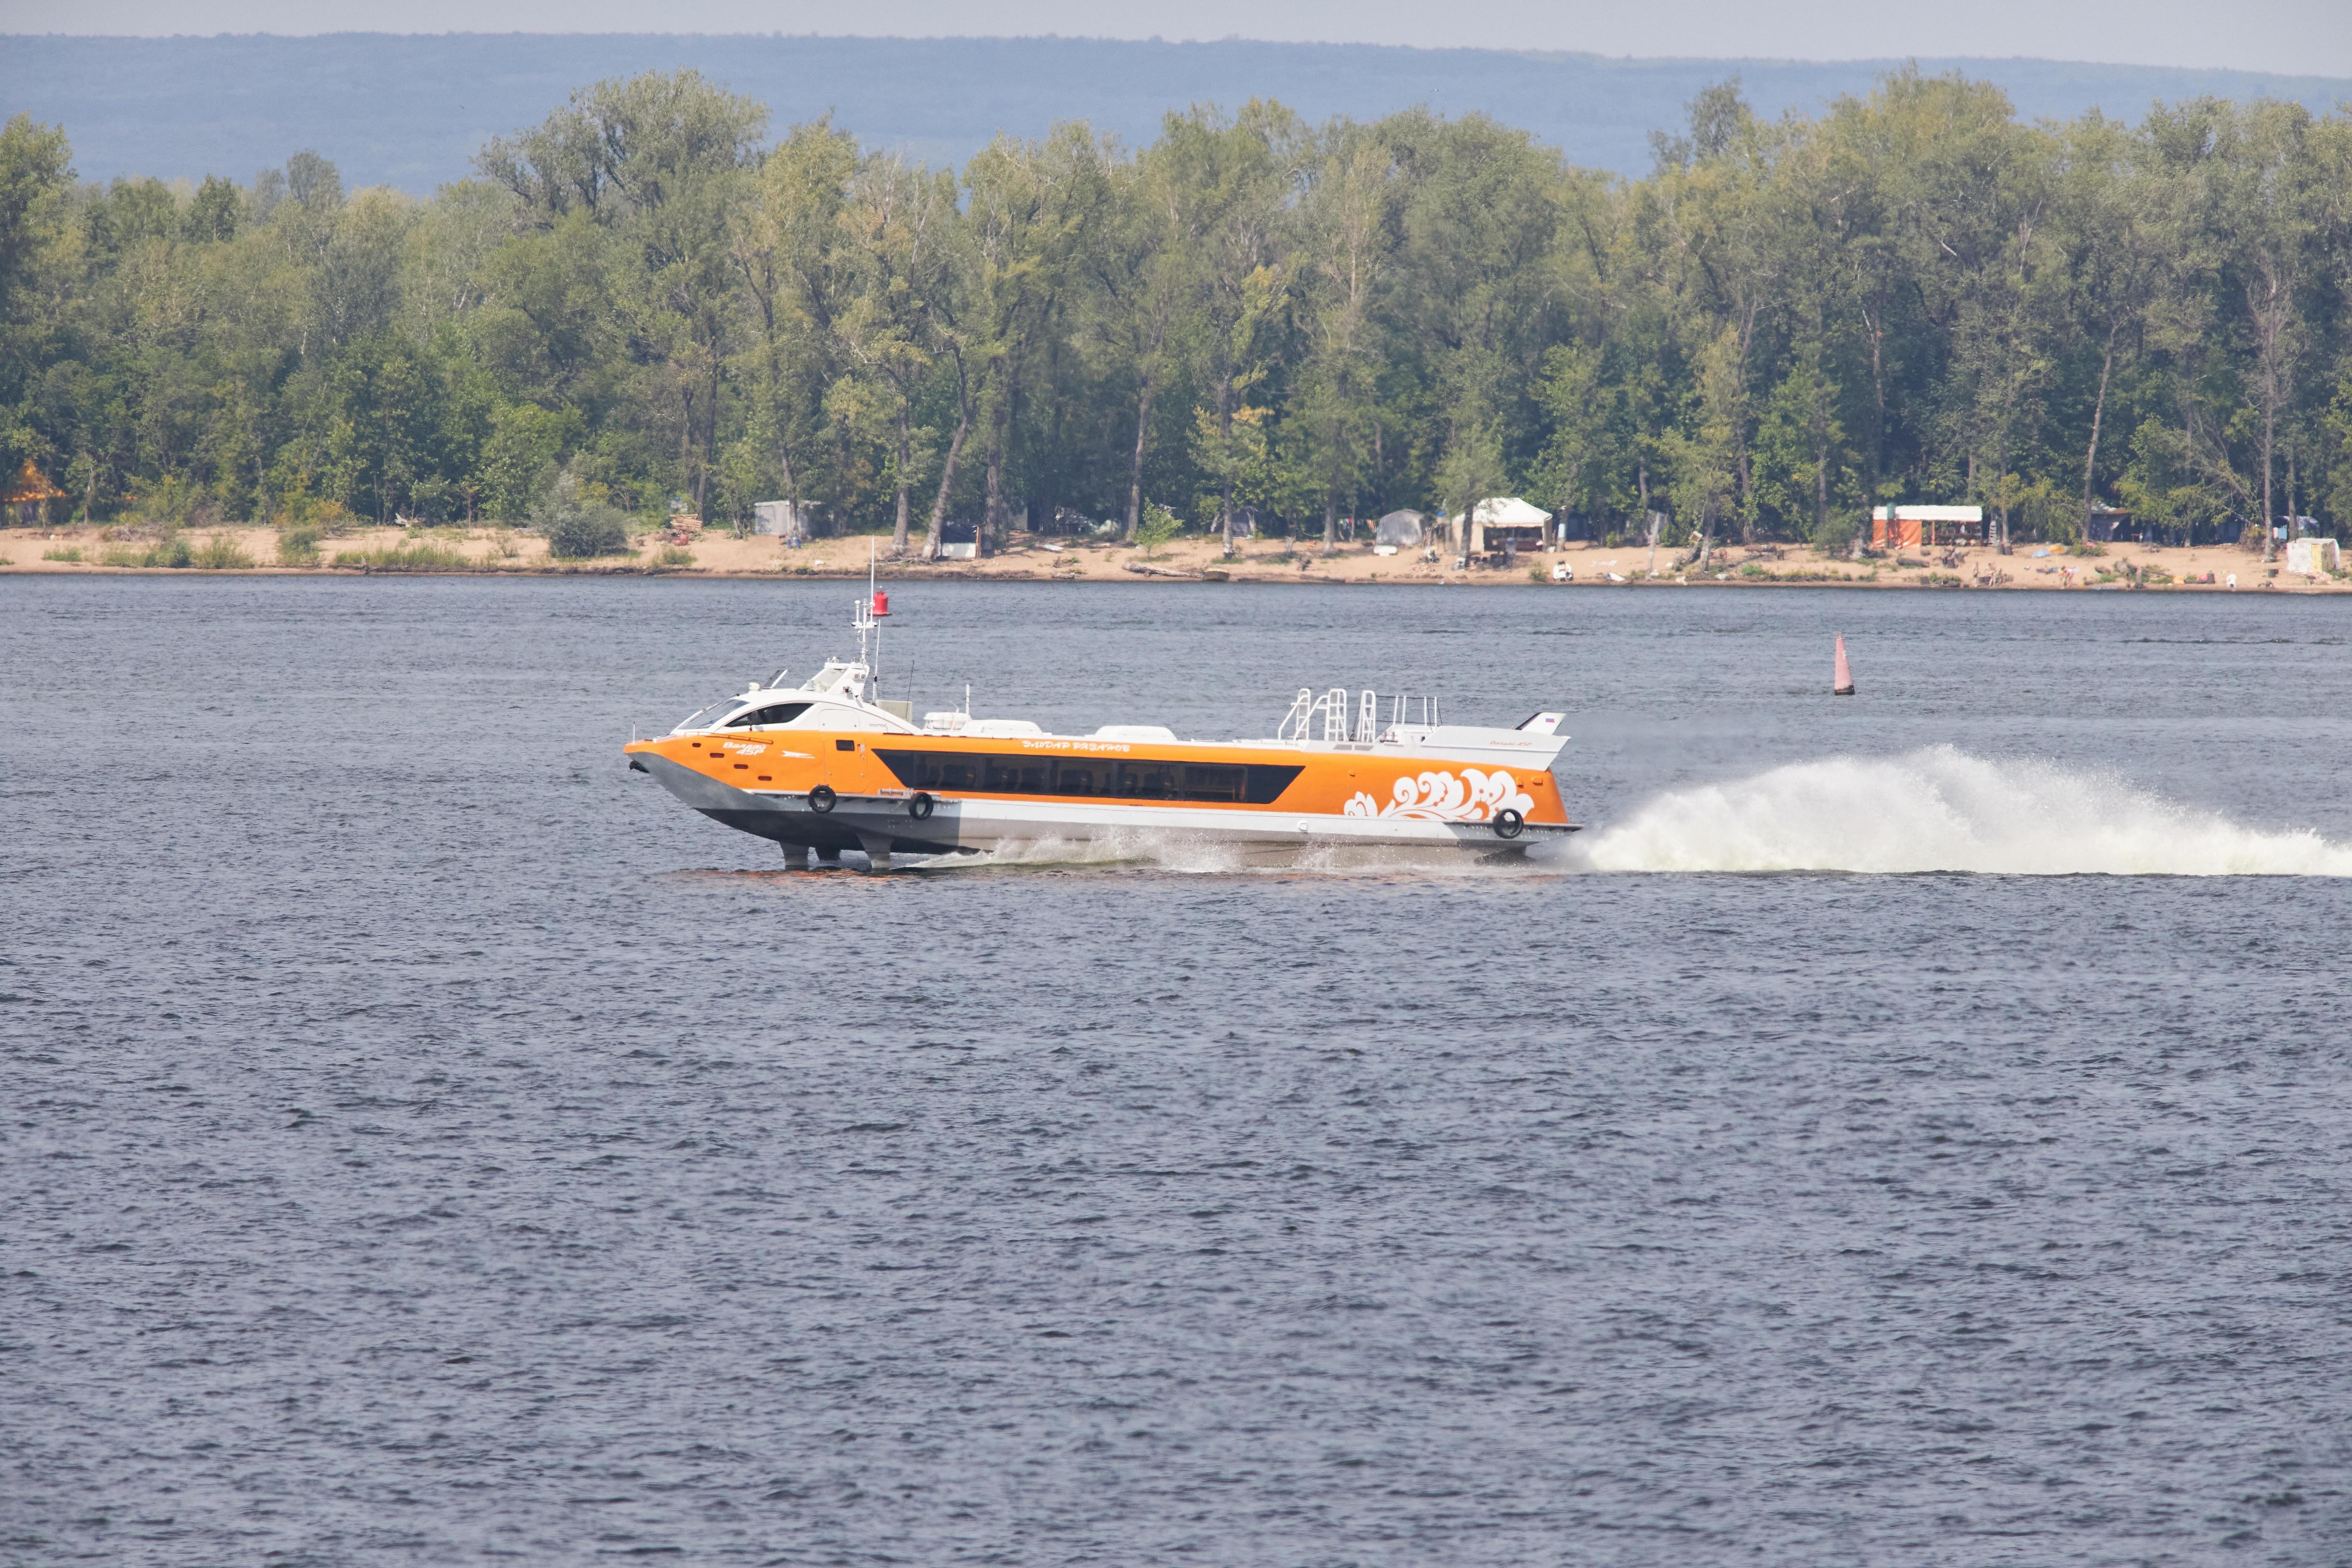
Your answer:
<point x="2297" y="36"/>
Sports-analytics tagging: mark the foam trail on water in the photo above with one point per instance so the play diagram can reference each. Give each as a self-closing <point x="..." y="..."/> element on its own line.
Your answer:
<point x="1941" y="809"/>
<point x="1188" y="856"/>
<point x="1158" y="851"/>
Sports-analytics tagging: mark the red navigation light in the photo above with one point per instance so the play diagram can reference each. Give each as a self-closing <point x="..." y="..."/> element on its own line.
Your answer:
<point x="881" y="605"/>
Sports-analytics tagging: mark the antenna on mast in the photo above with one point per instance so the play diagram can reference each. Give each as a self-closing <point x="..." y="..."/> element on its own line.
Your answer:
<point x="868" y="625"/>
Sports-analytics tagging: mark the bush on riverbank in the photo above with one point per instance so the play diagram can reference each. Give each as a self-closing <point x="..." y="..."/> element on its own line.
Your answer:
<point x="1756" y="574"/>
<point x="418" y="557"/>
<point x="586" y="537"/>
<point x="169" y="551"/>
<point x="579" y="522"/>
<point x="297" y="545"/>
<point x="220" y="553"/>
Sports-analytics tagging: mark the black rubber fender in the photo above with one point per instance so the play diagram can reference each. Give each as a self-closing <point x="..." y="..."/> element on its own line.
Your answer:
<point x="1509" y="824"/>
<point x="920" y="807"/>
<point x="821" y="799"/>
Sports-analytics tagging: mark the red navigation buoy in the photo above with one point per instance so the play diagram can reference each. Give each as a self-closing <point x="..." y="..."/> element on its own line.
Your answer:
<point x="1842" y="679"/>
<point x="881" y="604"/>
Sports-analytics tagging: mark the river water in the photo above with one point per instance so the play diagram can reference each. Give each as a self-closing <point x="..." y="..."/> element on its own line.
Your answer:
<point x="426" y="1142"/>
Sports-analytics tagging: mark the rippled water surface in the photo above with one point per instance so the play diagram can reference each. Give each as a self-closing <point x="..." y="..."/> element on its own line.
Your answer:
<point x="426" y="1142"/>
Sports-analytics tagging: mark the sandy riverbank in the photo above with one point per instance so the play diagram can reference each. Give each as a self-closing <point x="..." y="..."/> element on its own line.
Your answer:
<point x="713" y="554"/>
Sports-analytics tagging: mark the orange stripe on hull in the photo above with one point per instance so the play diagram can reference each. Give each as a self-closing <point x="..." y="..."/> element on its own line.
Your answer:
<point x="1332" y="780"/>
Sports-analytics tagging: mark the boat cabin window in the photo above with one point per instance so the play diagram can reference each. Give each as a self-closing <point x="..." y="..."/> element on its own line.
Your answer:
<point x="1130" y="778"/>
<point x="775" y="713"/>
<point x="706" y="718"/>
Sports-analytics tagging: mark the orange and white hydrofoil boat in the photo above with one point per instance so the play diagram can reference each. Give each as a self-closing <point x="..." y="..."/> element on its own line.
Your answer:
<point x="827" y="766"/>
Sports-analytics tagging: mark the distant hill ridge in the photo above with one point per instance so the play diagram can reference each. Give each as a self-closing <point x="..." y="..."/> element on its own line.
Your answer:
<point x="411" y="111"/>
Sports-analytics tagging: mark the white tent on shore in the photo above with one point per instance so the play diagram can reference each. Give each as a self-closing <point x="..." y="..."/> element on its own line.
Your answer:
<point x="1503" y="519"/>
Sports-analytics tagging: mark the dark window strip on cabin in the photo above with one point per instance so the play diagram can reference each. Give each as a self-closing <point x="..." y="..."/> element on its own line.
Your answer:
<point x="761" y="718"/>
<point x="1132" y="778"/>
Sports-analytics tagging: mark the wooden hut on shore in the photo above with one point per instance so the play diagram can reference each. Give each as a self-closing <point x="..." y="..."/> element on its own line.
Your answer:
<point x="26" y="500"/>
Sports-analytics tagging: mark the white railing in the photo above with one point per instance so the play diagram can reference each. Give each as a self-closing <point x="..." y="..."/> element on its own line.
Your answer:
<point x="1332" y="711"/>
<point x="1299" y="724"/>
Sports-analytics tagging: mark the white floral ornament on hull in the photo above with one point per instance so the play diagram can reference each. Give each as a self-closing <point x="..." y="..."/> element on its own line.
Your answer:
<point x="1475" y="796"/>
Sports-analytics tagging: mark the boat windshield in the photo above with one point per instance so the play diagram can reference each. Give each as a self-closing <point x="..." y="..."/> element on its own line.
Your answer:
<point x="706" y="718"/>
<point x="770" y="717"/>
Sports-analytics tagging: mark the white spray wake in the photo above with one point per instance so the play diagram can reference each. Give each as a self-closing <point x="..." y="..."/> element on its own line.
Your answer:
<point x="1942" y="810"/>
<point x="1195" y="857"/>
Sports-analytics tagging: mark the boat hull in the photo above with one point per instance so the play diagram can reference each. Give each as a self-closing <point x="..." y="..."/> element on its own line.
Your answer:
<point x="882" y="826"/>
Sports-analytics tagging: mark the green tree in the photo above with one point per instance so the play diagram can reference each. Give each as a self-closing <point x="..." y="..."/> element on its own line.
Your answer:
<point x="213" y="214"/>
<point x="521" y="459"/>
<point x="1138" y="280"/>
<point x="1706" y="458"/>
<point x="1227" y="182"/>
<point x="1347" y="224"/>
<point x="1033" y="210"/>
<point x="901" y="219"/>
<point x="791" y="247"/>
<point x="35" y="172"/>
<point x="2113" y="209"/>
<point x="657" y="163"/>
<point x="2268" y="215"/>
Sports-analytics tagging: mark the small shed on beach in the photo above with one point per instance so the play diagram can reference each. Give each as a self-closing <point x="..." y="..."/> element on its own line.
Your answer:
<point x="27" y="495"/>
<point x="779" y="520"/>
<point x="1895" y="527"/>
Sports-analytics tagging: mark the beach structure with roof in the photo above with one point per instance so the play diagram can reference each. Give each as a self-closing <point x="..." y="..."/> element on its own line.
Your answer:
<point x="27" y="497"/>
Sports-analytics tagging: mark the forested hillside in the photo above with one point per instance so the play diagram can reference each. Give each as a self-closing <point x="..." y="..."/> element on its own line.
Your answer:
<point x="1912" y="296"/>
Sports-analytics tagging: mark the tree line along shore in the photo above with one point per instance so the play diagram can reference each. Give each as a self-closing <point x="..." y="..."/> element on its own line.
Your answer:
<point x="647" y="306"/>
